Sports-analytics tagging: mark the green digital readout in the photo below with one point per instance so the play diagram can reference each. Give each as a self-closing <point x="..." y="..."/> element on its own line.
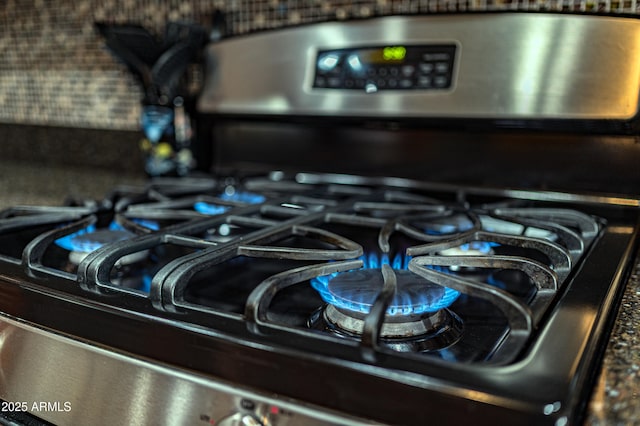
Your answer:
<point x="394" y="53"/>
<point x="381" y="55"/>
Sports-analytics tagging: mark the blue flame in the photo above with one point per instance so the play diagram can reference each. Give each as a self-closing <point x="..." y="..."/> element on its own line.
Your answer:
<point x="146" y="283"/>
<point x="243" y="197"/>
<point x="209" y="209"/>
<point x="70" y="242"/>
<point x="414" y="295"/>
<point x="90" y="241"/>
<point x="483" y="247"/>
<point x="459" y="224"/>
<point x="153" y="225"/>
<point x="240" y="197"/>
<point x="452" y="225"/>
<point x="67" y="243"/>
<point x="442" y="230"/>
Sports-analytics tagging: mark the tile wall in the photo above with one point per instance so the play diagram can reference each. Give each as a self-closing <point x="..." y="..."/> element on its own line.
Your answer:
<point x="55" y="71"/>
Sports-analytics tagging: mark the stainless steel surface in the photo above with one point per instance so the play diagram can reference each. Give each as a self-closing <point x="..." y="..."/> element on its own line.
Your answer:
<point x="78" y="384"/>
<point x="508" y="66"/>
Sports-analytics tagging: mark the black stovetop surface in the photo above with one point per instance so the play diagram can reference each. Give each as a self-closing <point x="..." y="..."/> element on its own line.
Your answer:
<point x="219" y="280"/>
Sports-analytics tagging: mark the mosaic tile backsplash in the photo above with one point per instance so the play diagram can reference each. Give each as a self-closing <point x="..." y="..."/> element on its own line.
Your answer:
<point x="56" y="71"/>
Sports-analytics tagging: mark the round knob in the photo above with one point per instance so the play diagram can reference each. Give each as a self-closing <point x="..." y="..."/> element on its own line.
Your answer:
<point x="240" y="419"/>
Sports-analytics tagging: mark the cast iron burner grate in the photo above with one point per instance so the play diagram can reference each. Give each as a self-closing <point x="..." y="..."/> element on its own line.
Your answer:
<point x="440" y="277"/>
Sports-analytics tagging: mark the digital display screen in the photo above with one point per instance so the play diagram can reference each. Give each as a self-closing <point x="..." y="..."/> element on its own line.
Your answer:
<point x="382" y="55"/>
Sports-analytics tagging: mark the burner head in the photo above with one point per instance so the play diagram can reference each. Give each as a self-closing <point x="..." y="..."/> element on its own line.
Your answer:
<point x="416" y="333"/>
<point x="397" y="327"/>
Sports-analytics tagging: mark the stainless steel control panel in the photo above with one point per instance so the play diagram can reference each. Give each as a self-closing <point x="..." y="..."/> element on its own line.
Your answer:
<point x="500" y="66"/>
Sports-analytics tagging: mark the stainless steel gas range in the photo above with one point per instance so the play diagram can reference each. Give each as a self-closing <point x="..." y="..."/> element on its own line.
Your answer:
<point x="370" y="289"/>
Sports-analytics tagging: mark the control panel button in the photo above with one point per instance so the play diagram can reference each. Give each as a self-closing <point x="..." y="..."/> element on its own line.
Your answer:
<point x="408" y="70"/>
<point x="328" y="62"/>
<point x="424" y="81"/>
<point x="354" y="63"/>
<point x="440" y="81"/>
<point x="442" y="67"/>
<point x="247" y="404"/>
<point x="426" y="67"/>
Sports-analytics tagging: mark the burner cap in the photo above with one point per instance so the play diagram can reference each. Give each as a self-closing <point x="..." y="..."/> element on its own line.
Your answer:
<point x="427" y="332"/>
<point x="393" y="327"/>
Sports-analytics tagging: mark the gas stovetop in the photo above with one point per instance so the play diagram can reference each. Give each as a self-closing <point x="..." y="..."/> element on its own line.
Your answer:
<point x="311" y="298"/>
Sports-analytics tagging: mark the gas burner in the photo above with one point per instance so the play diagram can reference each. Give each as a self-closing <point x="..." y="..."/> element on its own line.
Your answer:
<point x="412" y="333"/>
<point x="416" y="319"/>
<point x="129" y="271"/>
<point x="85" y="243"/>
